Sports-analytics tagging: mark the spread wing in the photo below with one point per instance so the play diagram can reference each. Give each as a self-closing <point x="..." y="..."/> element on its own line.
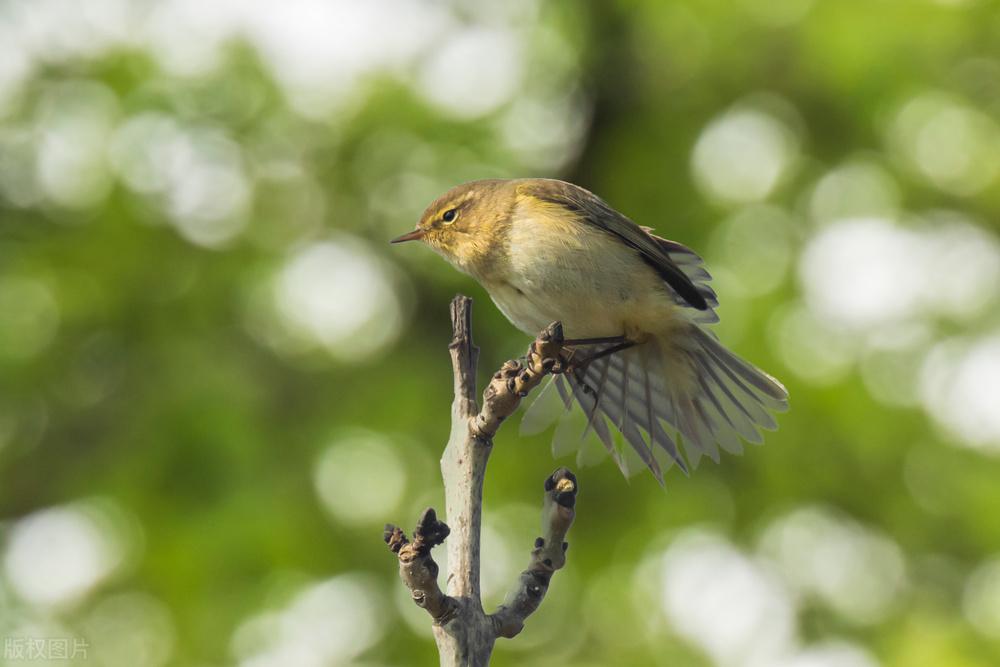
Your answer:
<point x="656" y="252"/>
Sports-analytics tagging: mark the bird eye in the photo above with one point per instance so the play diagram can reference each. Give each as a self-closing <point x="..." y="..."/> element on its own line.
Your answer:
<point x="450" y="215"/>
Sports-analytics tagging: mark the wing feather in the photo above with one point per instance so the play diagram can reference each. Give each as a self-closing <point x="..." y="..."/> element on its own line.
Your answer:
<point x="593" y="210"/>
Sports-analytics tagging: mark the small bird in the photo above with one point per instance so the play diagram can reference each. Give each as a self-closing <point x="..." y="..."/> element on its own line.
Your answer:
<point x="635" y="309"/>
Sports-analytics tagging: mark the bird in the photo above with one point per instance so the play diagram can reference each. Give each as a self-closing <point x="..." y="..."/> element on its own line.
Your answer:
<point x="635" y="308"/>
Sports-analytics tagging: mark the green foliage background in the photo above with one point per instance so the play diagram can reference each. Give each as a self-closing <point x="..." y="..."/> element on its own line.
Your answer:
<point x="150" y="377"/>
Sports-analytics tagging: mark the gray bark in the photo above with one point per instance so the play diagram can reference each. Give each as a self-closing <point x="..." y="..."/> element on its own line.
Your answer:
<point x="464" y="632"/>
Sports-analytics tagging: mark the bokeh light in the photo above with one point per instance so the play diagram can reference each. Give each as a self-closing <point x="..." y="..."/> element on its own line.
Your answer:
<point x="736" y="610"/>
<point x="853" y="569"/>
<point x="130" y="629"/>
<point x="870" y="273"/>
<point x="544" y="132"/>
<point x="959" y="386"/>
<point x="323" y="52"/>
<point x="473" y="72"/>
<point x="360" y="478"/>
<point x="197" y="175"/>
<point x="742" y="155"/>
<point x="863" y="273"/>
<point x="330" y="622"/>
<point x="860" y="188"/>
<point x="755" y="244"/>
<point x="338" y="294"/>
<point x="56" y="556"/>
<point x="948" y="142"/>
<point x="74" y="123"/>
<point x="810" y="347"/>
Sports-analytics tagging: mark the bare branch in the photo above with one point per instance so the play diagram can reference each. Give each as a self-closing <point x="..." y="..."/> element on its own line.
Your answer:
<point x="464" y="356"/>
<point x="464" y="633"/>
<point x="548" y="555"/>
<point x="417" y="568"/>
<point x="463" y="464"/>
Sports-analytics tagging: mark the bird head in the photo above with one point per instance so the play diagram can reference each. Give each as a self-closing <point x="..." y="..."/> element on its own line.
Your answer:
<point x="466" y="222"/>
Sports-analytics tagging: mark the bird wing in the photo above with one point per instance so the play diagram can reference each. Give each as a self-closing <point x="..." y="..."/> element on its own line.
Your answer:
<point x="656" y="252"/>
<point x="694" y="268"/>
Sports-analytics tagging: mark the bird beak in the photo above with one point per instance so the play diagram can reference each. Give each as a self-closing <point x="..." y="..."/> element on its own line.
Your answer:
<point x="415" y="235"/>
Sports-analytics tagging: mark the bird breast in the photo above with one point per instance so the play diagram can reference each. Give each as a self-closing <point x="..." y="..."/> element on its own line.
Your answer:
<point x="561" y="268"/>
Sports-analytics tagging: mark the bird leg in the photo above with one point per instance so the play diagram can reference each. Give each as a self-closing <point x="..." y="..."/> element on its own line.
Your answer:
<point x="595" y="341"/>
<point x="582" y="364"/>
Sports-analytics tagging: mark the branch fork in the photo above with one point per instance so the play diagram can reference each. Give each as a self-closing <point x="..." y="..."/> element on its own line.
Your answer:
<point x="464" y="633"/>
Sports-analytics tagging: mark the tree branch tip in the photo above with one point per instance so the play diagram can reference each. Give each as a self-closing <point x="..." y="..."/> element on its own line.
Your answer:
<point x="427" y="518"/>
<point x="430" y="532"/>
<point x="394" y="537"/>
<point x="460" y="306"/>
<point x="461" y="322"/>
<point x="563" y="487"/>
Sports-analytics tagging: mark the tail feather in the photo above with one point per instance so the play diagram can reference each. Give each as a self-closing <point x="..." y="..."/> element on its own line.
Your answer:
<point x="634" y="402"/>
<point x="738" y="415"/>
<point x="610" y="406"/>
<point x="698" y="431"/>
<point x="698" y="394"/>
<point x="651" y="423"/>
<point x="563" y="393"/>
<point x="752" y="403"/>
<point x="624" y="393"/>
<point x="592" y="401"/>
<point x="723" y="434"/>
<point x="648" y="390"/>
<point x="545" y="408"/>
<point x="681" y="426"/>
<point x="770" y="392"/>
<point x="726" y="431"/>
<point x="592" y="414"/>
<point x="589" y="401"/>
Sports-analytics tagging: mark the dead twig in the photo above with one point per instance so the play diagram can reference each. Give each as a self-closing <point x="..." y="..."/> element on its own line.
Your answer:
<point x="465" y="634"/>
